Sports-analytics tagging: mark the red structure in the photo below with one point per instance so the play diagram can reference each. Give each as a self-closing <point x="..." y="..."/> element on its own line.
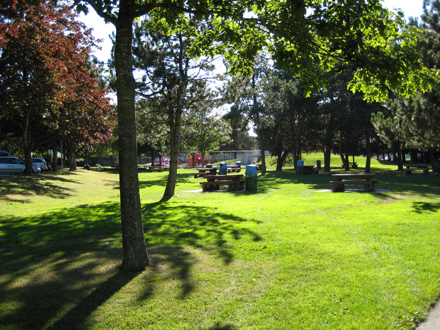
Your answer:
<point x="197" y="160"/>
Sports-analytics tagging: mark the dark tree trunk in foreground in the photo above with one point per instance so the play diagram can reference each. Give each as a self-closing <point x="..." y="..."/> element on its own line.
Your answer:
<point x="327" y="158"/>
<point x="54" y="157"/>
<point x="27" y="147"/>
<point x="433" y="160"/>
<point x="72" y="159"/>
<point x="135" y="257"/>
<point x="396" y="154"/>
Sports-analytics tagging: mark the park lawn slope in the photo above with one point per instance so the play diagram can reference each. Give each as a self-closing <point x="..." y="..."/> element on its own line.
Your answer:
<point x="291" y="256"/>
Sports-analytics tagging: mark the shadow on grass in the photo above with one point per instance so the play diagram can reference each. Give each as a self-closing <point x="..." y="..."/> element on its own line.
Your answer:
<point x="51" y="185"/>
<point x="393" y="181"/>
<point x="208" y="229"/>
<point x="423" y="207"/>
<point x="148" y="180"/>
<point x="58" y="268"/>
<point x="76" y="317"/>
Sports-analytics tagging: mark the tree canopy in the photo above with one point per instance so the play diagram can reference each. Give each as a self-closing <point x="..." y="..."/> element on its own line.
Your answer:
<point x="47" y="89"/>
<point x="305" y="38"/>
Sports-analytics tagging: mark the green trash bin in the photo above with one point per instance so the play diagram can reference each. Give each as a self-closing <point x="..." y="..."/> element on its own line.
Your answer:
<point x="251" y="177"/>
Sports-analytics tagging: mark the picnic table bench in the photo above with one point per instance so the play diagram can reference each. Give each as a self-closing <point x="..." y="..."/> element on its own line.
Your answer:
<point x="352" y="164"/>
<point x="233" y="168"/>
<point x="152" y="168"/>
<point x="309" y="169"/>
<point x="365" y="179"/>
<point x="205" y="171"/>
<point x="233" y="181"/>
<point x="410" y="168"/>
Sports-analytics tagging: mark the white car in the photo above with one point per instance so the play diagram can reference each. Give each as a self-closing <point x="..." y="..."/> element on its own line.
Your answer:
<point x="41" y="163"/>
<point x="13" y="165"/>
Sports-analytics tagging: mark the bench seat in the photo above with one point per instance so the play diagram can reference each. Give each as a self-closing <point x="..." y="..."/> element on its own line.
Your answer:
<point x="408" y="170"/>
<point x="352" y="165"/>
<point x="217" y="184"/>
<point x="340" y="185"/>
<point x="155" y="168"/>
<point x="353" y="182"/>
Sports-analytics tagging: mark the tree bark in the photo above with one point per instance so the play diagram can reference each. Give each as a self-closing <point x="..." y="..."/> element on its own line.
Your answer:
<point x="327" y="158"/>
<point x="72" y="159"/>
<point x="27" y="147"/>
<point x="54" y="157"/>
<point x="346" y="162"/>
<point x="174" y="123"/>
<point x="433" y="160"/>
<point x="263" y="156"/>
<point x="396" y="154"/>
<point x="368" y="162"/>
<point x="87" y="157"/>
<point x="135" y="256"/>
<point x="344" y="159"/>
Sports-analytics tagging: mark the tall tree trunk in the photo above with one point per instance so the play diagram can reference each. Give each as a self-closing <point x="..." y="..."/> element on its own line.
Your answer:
<point x="433" y="160"/>
<point x="72" y="159"/>
<point x="396" y="154"/>
<point x="368" y="162"/>
<point x="327" y="159"/>
<point x="346" y="162"/>
<point x="27" y="146"/>
<point x="260" y="136"/>
<point x="55" y="157"/>
<point x="281" y="159"/>
<point x="295" y="159"/>
<point x="344" y="159"/>
<point x="263" y="156"/>
<point x="87" y="157"/>
<point x="135" y="256"/>
<point x="174" y="121"/>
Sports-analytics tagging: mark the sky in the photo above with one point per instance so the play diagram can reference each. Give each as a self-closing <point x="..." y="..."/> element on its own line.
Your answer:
<point x="101" y="30"/>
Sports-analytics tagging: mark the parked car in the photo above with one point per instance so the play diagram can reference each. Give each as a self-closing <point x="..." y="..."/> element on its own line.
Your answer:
<point x="4" y="153"/>
<point x="11" y="165"/>
<point x="14" y="165"/>
<point x="41" y="163"/>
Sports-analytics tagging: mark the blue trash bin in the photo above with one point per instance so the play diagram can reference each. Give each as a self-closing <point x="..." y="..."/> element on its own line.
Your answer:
<point x="223" y="168"/>
<point x="251" y="177"/>
<point x="300" y="167"/>
<point x="318" y="164"/>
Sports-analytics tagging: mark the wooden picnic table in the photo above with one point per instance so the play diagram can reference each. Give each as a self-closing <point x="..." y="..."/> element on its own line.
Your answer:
<point x="205" y="171"/>
<point x="213" y="182"/>
<point x="308" y="169"/>
<point x="152" y="168"/>
<point x="233" y="168"/>
<point x="410" y="168"/>
<point x="365" y="179"/>
<point x="352" y="164"/>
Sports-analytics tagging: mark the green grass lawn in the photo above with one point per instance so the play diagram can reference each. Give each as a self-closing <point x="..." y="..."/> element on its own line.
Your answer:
<point x="291" y="256"/>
